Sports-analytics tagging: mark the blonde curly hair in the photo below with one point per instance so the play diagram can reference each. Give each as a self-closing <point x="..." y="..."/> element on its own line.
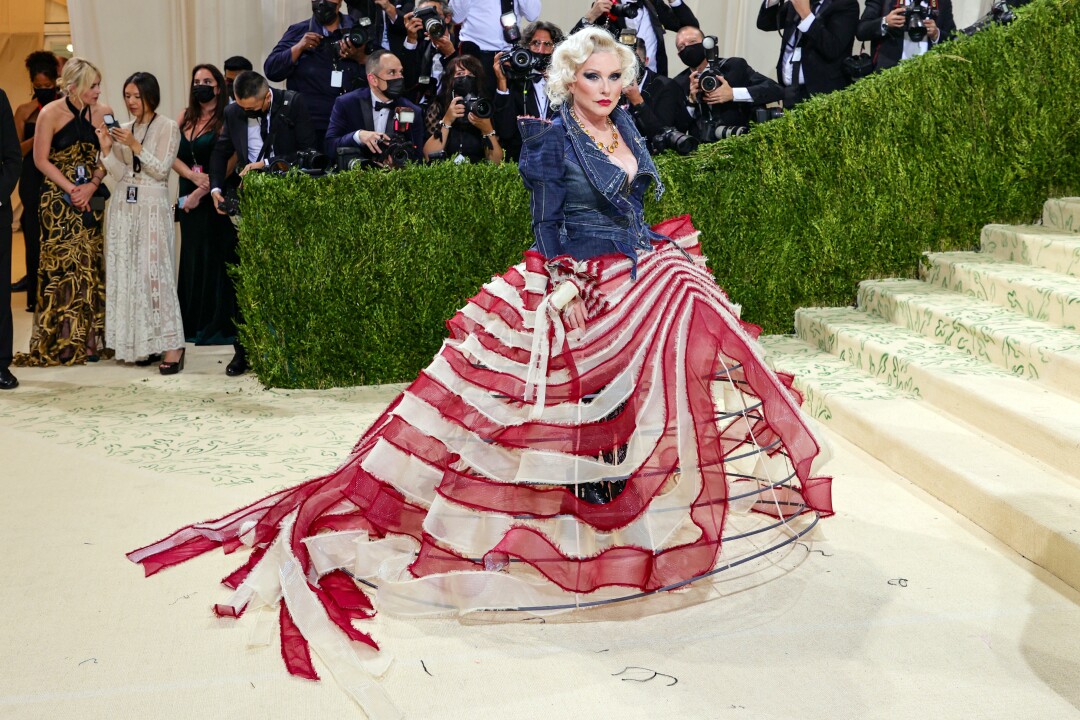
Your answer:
<point x="78" y="76"/>
<point x="572" y="53"/>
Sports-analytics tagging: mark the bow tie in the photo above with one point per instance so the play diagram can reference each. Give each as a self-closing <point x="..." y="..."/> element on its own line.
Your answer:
<point x="380" y="106"/>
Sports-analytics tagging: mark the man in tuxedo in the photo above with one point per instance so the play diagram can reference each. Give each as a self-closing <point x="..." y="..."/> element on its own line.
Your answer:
<point x="655" y="102"/>
<point x="732" y="103"/>
<point x="10" y="168"/>
<point x="652" y="17"/>
<point x="429" y="56"/>
<point x="817" y="36"/>
<point x="367" y="117"/>
<point x="308" y="64"/>
<point x="524" y="96"/>
<point x="883" y="24"/>
<point x="261" y="125"/>
<point x="387" y="21"/>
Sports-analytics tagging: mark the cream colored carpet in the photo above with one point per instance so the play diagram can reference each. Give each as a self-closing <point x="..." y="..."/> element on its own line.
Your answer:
<point x="900" y="608"/>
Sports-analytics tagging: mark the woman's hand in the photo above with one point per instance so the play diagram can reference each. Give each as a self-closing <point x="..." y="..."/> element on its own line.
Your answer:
<point x="194" y="199"/>
<point x="105" y="141"/>
<point x="124" y="136"/>
<point x="482" y="124"/>
<point x="574" y="314"/>
<point x="201" y="180"/>
<point x="456" y="111"/>
<point x="80" y="196"/>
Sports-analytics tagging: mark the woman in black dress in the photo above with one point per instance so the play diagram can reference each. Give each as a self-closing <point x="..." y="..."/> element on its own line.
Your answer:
<point x="207" y="239"/>
<point x="42" y="67"/>
<point x="457" y="135"/>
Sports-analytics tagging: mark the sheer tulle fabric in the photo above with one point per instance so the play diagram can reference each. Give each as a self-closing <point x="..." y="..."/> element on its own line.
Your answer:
<point x="461" y="496"/>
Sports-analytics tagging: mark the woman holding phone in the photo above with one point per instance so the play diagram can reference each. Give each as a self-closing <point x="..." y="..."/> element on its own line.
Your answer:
<point x="142" y="316"/>
<point x="69" y="323"/>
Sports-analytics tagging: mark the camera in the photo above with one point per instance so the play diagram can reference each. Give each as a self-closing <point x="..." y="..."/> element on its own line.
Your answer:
<point x="765" y="114"/>
<point x="478" y="106"/>
<point x="350" y="158"/>
<point x="359" y="35"/>
<point x="395" y="152"/>
<point x="230" y="203"/>
<point x="915" y="16"/>
<point x="710" y="78"/>
<point x="708" y="131"/>
<point x="519" y="63"/>
<point x="433" y="24"/>
<point x="309" y="162"/>
<point x="625" y="9"/>
<point x="671" y="139"/>
<point x="1000" y="14"/>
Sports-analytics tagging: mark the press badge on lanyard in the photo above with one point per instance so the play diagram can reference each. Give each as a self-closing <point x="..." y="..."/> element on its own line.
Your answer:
<point x="337" y="78"/>
<point x="132" y="194"/>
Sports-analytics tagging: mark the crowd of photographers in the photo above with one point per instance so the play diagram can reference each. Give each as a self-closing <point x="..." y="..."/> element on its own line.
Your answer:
<point x="386" y="82"/>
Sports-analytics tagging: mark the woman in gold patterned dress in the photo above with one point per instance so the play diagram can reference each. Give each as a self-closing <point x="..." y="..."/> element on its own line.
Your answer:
<point x="69" y="325"/>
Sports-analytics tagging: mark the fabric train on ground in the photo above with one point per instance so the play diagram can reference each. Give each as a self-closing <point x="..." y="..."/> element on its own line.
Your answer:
<point x="465" y="494"/>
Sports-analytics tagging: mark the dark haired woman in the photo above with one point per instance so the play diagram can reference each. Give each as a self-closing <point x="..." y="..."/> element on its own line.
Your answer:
<point x="461" y="136"/>
<point x="207" y="239"/>
<point x="44" y="72"/>
<point x="142" y="315"/>
<point x="69" y="324"/>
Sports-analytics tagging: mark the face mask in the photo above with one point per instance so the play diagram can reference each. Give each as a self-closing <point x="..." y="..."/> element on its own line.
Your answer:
<point x="255" y="114"/>
<point x="464" y="86"/>
<point x="44" y="96"/>
<point x="692" y="55"/>
<point x="203" y="93"/>
<point x="395" y="88"/>
<point x="541" y="62"/>
<point x="325" y="12"/>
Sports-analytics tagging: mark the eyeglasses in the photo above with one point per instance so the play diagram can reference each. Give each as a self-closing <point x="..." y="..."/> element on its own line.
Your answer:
<point x="542" y="45"/>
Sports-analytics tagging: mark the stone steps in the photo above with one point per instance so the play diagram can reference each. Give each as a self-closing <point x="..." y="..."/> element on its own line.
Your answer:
<point x="967" y="382"/>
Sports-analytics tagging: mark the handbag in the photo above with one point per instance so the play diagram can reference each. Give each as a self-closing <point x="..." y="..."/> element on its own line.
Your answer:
<point x="858" y="66"/>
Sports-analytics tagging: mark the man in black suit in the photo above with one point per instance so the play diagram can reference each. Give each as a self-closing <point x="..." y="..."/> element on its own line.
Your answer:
<point x="367" y="117"/>
<point x="883" y="24"/>
<point x="655" y="102"/>
<point x="652" y="17"/>
<point x="261" y="125"/>
<point x="524" y="96"/>
<point x="732" y="103"/>
<point x="423" y="66"/>
<point x="817" y="36"/>
<point x="387" y="21"/>
<point x="10" y="168"/>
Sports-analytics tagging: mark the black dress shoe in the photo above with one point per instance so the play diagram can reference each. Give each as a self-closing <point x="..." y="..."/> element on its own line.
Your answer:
<point x="237" y="366"/>
<point x="31" y="307"/>
<point x="7" y="380"/>
<point x="21" y="286"/>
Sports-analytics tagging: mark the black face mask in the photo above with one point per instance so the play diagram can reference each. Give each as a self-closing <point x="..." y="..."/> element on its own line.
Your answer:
<point x="464" y="86"/>
<point x="692" y="55"/>
<point x="395" y="88"/>
<point x="203" y="93"/>
<point x="325" y="12"/>
<point x="255" y="114"/>
<point x="541" y="62"/>
<point x="44" y="96"/>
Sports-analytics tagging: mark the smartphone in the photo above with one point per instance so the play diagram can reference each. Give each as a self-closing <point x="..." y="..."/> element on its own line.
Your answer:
<point x="110" y="122"/>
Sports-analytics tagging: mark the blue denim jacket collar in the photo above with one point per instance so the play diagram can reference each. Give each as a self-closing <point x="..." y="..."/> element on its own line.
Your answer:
<point x="606" y="176"/>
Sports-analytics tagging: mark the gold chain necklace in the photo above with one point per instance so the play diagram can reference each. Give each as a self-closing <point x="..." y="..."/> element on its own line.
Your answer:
<point x="609" y="149"/>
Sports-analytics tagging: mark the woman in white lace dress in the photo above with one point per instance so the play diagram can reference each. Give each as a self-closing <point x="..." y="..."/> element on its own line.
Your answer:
<point x="142" y="313"/>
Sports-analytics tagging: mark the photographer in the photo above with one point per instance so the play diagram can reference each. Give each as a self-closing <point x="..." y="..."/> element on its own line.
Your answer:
<point x="816" y="38"/>
<point x="648" y="18"/>
<point x="521" y="82"/>
<point x="462" y="112"/>
<point x="488" y="26"/>
<point x="732" y="87"/>
<point x="909" y="28"/>
<point x="367" y="118"/>
<point x="655" y="102"/>
<point x="315" y="59"/>
<point x="429" y="32"/>
<point x="387" y="21"/>
<point x="262" y="124"/>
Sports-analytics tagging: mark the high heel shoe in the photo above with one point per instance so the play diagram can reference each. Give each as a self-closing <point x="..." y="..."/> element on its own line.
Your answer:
<point x="171" y="368"/>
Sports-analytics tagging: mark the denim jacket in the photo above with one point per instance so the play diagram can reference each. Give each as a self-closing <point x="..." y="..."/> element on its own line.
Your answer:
<point x="582" y="205"/>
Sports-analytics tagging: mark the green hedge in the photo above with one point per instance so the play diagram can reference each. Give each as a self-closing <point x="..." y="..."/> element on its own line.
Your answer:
<point x="348" y="280"/>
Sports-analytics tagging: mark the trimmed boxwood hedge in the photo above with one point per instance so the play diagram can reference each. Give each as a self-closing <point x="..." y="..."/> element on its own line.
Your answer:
<point x="349" y="279"/>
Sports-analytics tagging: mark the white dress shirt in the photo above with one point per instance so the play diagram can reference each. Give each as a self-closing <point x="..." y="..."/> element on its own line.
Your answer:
<point x="480" y="20"/>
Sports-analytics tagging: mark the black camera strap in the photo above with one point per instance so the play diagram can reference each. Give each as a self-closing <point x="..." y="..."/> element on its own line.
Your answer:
<point x="507" y="6"/>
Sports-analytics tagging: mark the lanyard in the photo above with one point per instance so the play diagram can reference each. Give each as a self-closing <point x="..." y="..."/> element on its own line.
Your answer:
<point x="136" y="163"/>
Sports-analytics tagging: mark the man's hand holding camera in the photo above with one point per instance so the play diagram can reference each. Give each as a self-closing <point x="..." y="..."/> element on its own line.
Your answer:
<point x="348" y="51"/>
<point x="309" y="41"/>
<point x="599" y="8"/>
<point x="501" y="83"/>
<point x="722" y="94"/>
<point x="371" y="139"/>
